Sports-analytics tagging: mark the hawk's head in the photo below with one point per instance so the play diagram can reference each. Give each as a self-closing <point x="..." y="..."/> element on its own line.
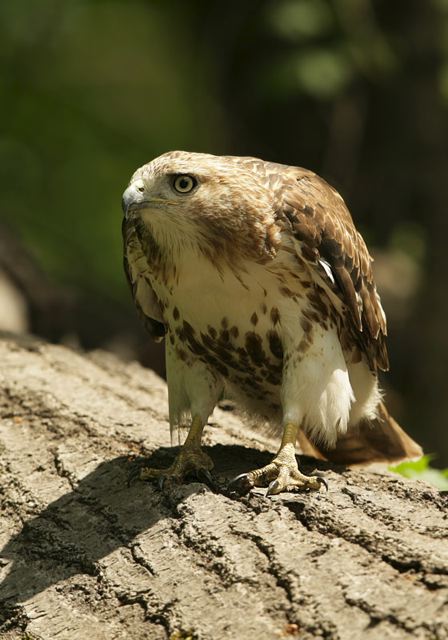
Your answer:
<point x="212" y="203"/>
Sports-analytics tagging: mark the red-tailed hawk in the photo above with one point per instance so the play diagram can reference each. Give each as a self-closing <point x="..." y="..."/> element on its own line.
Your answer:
<point x="263" y="289"/>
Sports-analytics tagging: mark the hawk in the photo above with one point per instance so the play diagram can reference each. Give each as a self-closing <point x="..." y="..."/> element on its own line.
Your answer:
<point x="262" y="287"/>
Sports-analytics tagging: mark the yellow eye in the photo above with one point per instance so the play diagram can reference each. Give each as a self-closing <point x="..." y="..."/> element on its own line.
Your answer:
<point x="184" y="183"/>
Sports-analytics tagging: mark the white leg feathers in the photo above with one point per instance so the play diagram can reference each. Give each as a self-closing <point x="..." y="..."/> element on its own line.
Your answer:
<point x="316" y="390"/>
<point x="193" y="389"/>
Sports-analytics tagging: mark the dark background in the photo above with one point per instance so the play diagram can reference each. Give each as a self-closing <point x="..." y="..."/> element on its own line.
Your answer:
<point x="356" y="90"/>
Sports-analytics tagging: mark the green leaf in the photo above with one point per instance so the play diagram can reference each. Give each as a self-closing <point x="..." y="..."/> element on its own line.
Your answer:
<point x="421" y="470"/>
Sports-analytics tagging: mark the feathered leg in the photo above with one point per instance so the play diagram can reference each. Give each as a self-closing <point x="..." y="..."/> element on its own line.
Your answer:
<point x="193" y="390"/>
<point x="316" y="392"/>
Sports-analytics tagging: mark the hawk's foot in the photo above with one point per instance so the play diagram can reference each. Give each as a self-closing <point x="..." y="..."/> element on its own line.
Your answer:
<point x="277" y="477"/>
<point x="282" y="474"/>
<point x="190" y="462"/>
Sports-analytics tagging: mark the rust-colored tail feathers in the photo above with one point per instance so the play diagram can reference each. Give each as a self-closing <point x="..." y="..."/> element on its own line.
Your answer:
<point x="380" y="440"/>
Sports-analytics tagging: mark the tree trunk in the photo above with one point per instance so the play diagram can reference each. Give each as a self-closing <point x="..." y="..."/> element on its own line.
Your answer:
<point x="87" y="556"/>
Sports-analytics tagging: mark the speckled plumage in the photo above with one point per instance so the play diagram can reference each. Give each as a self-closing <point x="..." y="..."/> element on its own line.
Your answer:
<point x="264" y="291"/>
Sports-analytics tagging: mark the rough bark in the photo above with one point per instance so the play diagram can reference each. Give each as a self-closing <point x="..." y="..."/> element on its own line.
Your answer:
<point x="87" y="556"/>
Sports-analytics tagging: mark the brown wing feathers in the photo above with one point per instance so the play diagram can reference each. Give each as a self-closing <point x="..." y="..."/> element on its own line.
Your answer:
<point x="321" y="221"/>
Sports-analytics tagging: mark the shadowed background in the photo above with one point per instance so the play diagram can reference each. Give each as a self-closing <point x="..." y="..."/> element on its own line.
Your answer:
<point x="356" y="90"/>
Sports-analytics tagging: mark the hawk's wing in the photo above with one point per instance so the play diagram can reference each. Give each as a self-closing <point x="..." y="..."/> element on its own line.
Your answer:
<point x="136" y="267"/>
<point x="318" y="218"/>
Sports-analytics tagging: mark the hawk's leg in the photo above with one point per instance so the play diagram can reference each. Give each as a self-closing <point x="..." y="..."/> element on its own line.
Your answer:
<point x="282" y="474"/>
<point x="190" y="460"/>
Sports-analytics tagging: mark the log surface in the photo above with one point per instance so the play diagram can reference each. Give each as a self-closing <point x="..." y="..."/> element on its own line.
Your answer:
<point x="85" y="556"/>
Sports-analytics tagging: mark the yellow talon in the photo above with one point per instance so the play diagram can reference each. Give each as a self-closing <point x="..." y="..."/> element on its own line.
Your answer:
<point x="190" y="459"/>
<point x="282" y="474"/>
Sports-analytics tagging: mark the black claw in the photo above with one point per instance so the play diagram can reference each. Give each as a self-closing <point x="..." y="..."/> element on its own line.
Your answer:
<point x="272" y="487"/>
<point x="161" y="482"/>
<point x="323" y="481"/>
<point x="241" y="485"/>
<point x="210" y="480"/>
<point x="208" y="475"/>
<point x="204" y="475"/>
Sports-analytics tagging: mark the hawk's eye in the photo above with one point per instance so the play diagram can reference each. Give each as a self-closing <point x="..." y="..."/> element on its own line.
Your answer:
<point x="184" y="183"/>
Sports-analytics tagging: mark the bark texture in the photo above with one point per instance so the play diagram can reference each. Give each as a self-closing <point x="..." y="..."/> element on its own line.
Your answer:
<point x="84" y="555"/>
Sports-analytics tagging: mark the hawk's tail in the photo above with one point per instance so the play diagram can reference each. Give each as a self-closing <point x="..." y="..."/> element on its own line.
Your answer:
<point x="380" y="440"/>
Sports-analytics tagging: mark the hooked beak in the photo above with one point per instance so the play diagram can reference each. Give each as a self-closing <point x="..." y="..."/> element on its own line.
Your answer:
<point x="131" y="199"/>
<point x="134" y="199"/>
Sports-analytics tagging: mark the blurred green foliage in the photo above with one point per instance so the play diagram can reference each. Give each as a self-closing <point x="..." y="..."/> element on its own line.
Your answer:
<point x="355" y="89"/>
<point x="91" y="91"/>
<point x="421" y="470"/>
